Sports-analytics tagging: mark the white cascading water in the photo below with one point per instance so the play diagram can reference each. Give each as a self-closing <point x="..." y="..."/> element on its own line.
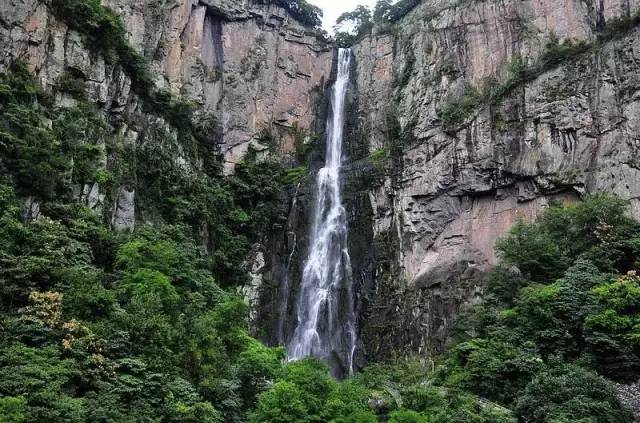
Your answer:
<point x="325" y="312"/>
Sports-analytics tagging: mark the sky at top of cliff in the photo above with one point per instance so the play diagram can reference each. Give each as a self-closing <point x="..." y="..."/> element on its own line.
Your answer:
<point x="331" y="9"/>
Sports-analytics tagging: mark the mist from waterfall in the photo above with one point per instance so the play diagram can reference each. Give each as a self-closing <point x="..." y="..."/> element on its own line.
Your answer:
<point x="325" y="311"/>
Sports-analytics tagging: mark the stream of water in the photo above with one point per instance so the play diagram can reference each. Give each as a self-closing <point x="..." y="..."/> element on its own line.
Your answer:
<point x="326" y="326"/>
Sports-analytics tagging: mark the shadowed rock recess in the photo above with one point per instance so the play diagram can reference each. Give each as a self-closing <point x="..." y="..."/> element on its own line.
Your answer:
<point x="462" y="117"/>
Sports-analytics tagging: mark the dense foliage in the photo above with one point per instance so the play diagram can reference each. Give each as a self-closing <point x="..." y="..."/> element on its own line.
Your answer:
<point x="353" y="26"/>
<point x="115" y="327"/>
<point x="558" y="321"/>
<point x="100" y="326"/>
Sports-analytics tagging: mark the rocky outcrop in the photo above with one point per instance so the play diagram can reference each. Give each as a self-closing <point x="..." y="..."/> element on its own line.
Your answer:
<point x="453" y="188"/>
<point x="251" y="66"/>
<point x="124" y="218"/>
<point x="252" y="71"/>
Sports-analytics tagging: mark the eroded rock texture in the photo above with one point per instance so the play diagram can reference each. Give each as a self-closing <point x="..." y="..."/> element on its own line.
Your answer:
<point x="249" y="69"/>
<point x="452" y="189"/>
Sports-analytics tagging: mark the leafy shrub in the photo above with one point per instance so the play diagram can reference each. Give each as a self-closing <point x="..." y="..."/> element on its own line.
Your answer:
<point x="348" y="403"/>
<point x="40" y="376"/>
<point x="295" y="175"/>
<point x="86" y="296"/>
<point x="612" y="330"/>
<point x="39" y="143"/>
<point x="407" y="416"/>
<point x="282" y="404"/>
<point x="455" y="112"/>
<point x="258" y="367"/>
<point x="569" y="392"/>
<point x="378" y="154"/>
<point x="13" y="409"/>
<point x="493" y="369"/>
<point x="30" y="151"/>
<point x="71" y="83"/>
<point x="535" y="252"/>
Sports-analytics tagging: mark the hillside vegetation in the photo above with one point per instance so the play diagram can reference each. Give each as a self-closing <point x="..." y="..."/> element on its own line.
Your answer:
<point x="115" y="327"/>
<point x="148" y="326"/>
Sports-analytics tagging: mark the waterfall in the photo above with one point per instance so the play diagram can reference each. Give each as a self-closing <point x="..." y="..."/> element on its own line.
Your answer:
<point x="325" y="312"/>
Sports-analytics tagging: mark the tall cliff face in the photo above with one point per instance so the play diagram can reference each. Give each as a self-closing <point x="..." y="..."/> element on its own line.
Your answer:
<point x="485" y="111"/>
<point x="249" y="67"/>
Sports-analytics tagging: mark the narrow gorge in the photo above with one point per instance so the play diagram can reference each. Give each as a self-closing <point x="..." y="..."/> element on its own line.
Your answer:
<point x="439" y="202"/>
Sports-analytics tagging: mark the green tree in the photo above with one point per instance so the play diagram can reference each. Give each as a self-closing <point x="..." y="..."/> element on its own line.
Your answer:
<point x="535" y="252"/>
<point x="42" y="378"/>
<point x="282" y="404"/>
<point x="352" y="26"/>
<point x="382" y="13"/>
<point x="147" y="285"/>
<point x="31" y="153"/>
<point x="613" y="329"/>
<point x="258" y="368"/>
<point x="13" y="409"/>
<point x="491" y="368"/>
<point x="569" y="392"/>
<point x="348" y="403"/>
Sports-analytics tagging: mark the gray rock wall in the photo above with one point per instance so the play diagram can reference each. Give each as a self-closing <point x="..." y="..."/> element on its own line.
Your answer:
<point x="251" y="68"/>
<point x="451" y="191"/>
